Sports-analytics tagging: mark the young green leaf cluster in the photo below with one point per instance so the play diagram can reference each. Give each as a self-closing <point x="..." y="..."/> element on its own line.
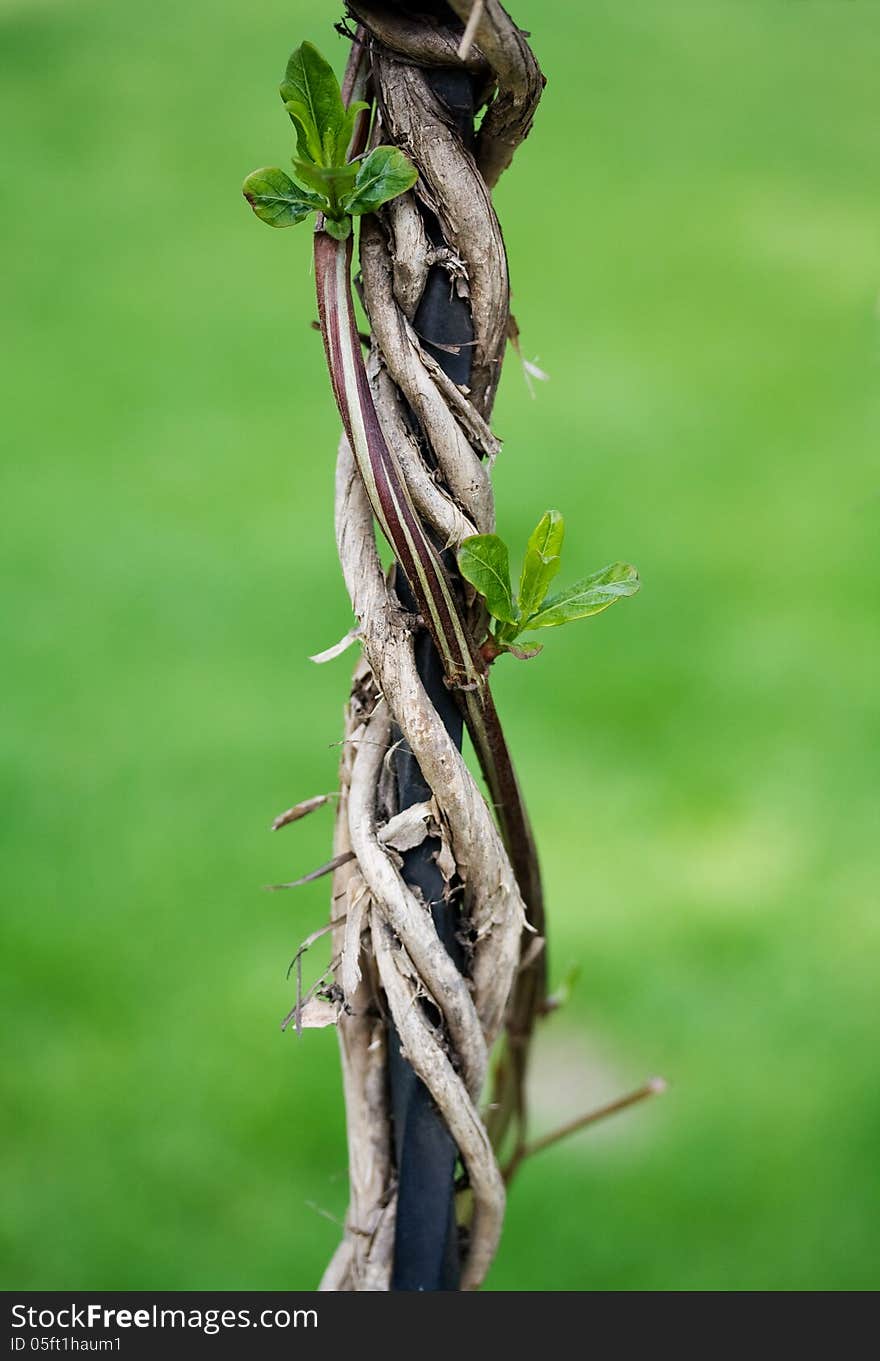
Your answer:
<point x="484" y="561"/>
<point x="336" y="186"/>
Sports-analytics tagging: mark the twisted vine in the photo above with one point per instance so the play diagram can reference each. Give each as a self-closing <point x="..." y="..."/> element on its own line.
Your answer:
<point x="415" y="459"/>
<point x="438" y="918"/>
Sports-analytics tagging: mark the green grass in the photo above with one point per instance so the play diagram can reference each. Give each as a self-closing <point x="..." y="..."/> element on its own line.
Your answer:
<point x="692" y="235"/>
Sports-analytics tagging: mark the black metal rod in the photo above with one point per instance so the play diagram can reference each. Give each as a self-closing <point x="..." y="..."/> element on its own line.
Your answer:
<point x="426" y="1249"/>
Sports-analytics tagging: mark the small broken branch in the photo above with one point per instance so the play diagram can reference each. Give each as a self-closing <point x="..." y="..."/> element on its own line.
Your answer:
<point x="300" y="810"/>
<point x="655" y="1086"/>
<point x="334" y="864"/>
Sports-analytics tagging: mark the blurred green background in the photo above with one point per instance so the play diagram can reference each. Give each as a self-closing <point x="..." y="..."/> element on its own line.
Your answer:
<point x="692" y="230"/>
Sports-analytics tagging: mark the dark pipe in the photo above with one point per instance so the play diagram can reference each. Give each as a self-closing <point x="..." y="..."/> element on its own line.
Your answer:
<point x="426" y="1250"/>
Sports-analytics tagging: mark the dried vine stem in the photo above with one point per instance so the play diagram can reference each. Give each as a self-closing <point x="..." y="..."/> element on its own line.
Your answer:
<point x="508" y="119"/>
<point x="415" y="459"/>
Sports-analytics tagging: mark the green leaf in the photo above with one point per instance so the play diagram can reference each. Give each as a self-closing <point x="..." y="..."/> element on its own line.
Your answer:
<point x="333" y="182"/>
<point x="310" y="82"/>
<point x="484" y="562"/>
<point x="525" y="651"/>
<point x="590" y="596"/>
<point x="383" y="175"/>
<point x="340" y="228"/>
<point x="346" y="132"/>
<point x="541" y="562"/>
<point x="308" y="140"/>
<point x="277" y="200"/>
